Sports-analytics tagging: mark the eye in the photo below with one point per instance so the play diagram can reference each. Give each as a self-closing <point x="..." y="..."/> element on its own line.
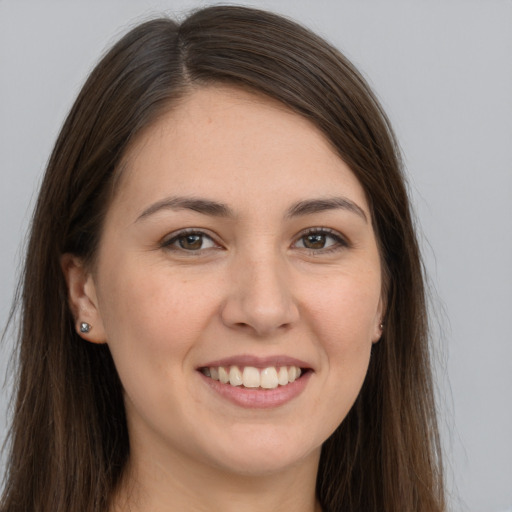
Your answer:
<point x="189" y="241"/>
<point x="321" y="240"/>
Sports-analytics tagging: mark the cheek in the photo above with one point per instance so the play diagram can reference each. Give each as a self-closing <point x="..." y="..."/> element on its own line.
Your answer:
<point x="345" y="310"/>
<point x="152" y="320"/>
<point x="343" y="319"/>
<point x="152" y="306"/>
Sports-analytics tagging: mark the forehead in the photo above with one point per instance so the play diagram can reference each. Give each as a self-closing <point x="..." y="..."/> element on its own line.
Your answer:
<point x="223" y="141"/>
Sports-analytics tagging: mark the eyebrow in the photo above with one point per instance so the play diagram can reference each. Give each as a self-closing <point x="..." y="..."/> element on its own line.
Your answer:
<point x="216" y="209"/>
<point x="311" y="206"/>
<point x="204" y="206"/>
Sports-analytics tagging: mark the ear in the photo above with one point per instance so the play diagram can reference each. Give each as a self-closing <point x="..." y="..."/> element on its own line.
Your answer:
<point x="82" y="299"/>
<point x="379" y="321"/>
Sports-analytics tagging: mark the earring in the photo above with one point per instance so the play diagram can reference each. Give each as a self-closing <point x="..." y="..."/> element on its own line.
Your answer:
<point x="85" y="327"/>
<point x="381" y="326"/>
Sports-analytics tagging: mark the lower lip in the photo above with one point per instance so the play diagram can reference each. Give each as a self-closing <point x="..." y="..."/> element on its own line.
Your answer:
<point x="259" y="398"/>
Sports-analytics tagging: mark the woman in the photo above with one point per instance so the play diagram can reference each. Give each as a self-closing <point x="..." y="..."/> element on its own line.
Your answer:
<point x="223" y="304"/>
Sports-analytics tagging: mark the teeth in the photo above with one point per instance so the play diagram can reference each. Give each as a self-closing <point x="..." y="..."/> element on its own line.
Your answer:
<point x="269" y="378"/>
<point x="235" y="376"/>
<point x="223" y="375"/>
<point x="282" y="376"/>
<point x="293" y="373"/>
<point x="251" y="377"/>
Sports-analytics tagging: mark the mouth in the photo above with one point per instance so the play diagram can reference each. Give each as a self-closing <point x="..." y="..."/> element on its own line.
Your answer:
<point x="251" y="377"/>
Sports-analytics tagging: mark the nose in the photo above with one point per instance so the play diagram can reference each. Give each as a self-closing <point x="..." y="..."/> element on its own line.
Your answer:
<point x="260" y="299"/>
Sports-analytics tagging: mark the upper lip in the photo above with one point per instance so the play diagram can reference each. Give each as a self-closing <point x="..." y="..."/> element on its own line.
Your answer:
<point x="257" y="362"/>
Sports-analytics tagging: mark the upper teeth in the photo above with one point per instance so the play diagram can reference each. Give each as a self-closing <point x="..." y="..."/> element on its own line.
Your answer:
<point x="251" y="377"/>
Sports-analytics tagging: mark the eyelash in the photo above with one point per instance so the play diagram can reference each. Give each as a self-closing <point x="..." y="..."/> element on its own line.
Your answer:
<point x="169" y="244"/>
<point x="340" y="241"/>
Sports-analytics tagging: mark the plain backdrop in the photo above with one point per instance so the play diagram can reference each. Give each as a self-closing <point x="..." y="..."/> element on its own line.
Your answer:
<point x="443" y="71"/>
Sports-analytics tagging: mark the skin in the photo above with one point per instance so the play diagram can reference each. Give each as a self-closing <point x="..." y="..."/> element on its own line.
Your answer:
<point x="254" y="287"/>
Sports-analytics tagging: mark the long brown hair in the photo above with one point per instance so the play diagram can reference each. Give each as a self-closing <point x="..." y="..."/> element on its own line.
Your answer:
<point x="69" y="442"/>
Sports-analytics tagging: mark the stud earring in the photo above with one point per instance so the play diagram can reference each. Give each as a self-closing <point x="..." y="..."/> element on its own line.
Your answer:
<point x="85" y="327"/>
<point x="381" y="326"/>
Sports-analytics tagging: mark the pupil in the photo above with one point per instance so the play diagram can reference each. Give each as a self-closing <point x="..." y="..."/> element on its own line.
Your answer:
<point x="315" y="241"/>
<point x="191" y="242"/>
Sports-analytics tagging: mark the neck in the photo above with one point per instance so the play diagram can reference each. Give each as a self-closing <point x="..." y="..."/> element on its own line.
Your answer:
<point x="156" y="485"/>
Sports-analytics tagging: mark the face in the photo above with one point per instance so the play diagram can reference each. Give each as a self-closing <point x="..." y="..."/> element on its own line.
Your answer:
<point x="237" y="254"/>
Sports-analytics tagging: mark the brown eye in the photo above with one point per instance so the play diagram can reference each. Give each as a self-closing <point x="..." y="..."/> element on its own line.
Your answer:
<point x="190" y="242"/>
<point x="314" y="241"/>
<point x="321" y="240"/>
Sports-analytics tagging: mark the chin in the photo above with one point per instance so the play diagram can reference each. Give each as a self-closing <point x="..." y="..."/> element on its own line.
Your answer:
<point x="263" y="454"/>
<point x="262" y="465"/>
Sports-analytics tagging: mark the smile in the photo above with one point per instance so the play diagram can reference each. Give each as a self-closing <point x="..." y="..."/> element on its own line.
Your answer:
<point x="251" y="377"/>
<point x="257" y="382"/>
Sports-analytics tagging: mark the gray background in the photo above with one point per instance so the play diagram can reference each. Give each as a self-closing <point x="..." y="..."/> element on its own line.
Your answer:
<point x="443" y="71"/>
